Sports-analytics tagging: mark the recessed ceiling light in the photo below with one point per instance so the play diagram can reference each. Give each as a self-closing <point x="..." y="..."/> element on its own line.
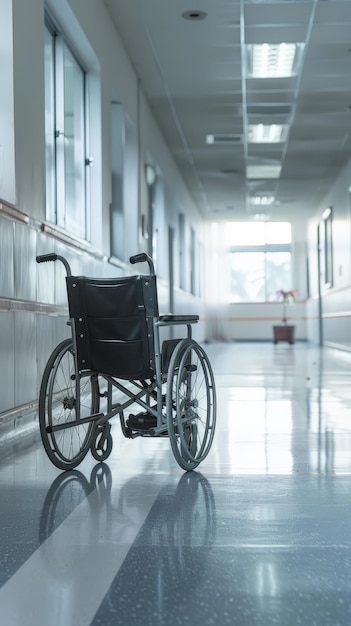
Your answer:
<point x="267" y="133"/>
<point x="263" y="171"/>
<point x="261" y="217"/>
<point x="273" y="60"/>
<point x="194" y="15"/>
<point x="262" y="200"/>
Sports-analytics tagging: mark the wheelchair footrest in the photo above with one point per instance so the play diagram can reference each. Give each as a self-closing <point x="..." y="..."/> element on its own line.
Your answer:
<point x="141" y="421"/>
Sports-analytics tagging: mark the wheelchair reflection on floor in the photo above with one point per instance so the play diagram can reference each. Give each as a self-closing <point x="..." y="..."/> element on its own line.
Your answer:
<point x="115" y="359"/>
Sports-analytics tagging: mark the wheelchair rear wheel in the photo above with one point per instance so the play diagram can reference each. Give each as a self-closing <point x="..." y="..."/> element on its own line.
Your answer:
<point x="64" y="399"/>
<point x="191" y="404"/>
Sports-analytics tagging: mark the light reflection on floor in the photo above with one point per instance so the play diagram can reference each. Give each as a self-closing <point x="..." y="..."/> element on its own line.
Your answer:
<point x="283" y="409"/>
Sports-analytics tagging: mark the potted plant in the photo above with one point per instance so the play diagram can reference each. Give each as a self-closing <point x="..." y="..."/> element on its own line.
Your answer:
<point x="285" y="331"/>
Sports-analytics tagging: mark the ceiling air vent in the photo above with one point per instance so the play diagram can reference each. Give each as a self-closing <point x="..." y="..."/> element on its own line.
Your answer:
<point x="224" y="139"/>
<point x="276" y="110"/>
<point x="230" y="171"/>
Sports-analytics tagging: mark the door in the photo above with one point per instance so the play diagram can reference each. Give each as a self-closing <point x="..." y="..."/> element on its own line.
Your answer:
<point x="320" y="281"/>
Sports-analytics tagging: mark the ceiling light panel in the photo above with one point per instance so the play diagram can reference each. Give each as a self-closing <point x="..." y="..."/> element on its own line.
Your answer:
<point x="260" y="217"/>
<point x="267" y="133"/>
<point x="262" y="200"/>
<point x="263" y="171"/>
<point x="273" y="60"/>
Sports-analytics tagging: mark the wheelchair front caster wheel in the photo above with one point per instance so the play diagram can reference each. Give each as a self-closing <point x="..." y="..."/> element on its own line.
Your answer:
<point x="101" y="445"/>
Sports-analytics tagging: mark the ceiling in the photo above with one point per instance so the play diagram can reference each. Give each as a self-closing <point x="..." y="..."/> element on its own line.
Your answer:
<point x="194" y="73"/>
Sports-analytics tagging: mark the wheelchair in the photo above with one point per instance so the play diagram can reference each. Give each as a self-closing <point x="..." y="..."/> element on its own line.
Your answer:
<point x="114" y="361"/>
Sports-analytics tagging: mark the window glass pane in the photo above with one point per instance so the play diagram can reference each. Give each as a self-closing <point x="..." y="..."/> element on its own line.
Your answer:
<point x="50" y="128"/>
<point x="262" y="270"/>
<point x="74" y="144"/>
<point x="181" y="227"/>
<point x="247" y="277"/>
<point x="117" y="172"/>
<point x="245" y="233"/>
<point x="278" y="232"/>
<point x="278" y="273"/>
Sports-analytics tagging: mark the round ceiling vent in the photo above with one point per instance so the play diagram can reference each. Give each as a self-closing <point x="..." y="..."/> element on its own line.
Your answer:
<point x="194" y="15"/>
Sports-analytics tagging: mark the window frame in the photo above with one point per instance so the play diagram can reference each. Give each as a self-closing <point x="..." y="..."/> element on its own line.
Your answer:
<point x="58" y="214"/>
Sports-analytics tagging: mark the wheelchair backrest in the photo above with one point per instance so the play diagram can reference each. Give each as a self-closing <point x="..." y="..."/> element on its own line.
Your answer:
<point x="113" y="321"/>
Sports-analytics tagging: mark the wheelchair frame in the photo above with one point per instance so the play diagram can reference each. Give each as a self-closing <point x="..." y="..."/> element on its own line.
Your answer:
<point x="178" y="379"/>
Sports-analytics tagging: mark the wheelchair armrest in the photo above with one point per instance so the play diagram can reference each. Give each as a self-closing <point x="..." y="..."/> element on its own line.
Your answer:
<point x="178" y="319"/>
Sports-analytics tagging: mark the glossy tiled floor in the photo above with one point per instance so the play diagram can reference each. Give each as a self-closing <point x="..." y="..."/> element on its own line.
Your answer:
<point x="260" y="535"/>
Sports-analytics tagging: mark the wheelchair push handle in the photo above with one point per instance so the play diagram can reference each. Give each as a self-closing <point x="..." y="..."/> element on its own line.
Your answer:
<point x="141" y="258"/>
<point x="44" y="258"/>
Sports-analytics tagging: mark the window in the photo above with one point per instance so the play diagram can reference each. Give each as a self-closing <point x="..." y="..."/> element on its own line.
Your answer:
<point x="192" y="262"/>
<point x="7" y="138"/>
<point x="66" y="164"/>
<point x="117" y="173"/>
<point x="151" y="179"/>
<point x="259" y="260"/>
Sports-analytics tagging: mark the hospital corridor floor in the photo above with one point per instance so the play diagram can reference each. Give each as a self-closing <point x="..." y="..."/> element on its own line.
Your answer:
<point x="258" y="535"/>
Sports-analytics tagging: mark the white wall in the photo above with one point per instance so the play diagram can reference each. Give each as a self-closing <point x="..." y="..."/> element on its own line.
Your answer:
<point x="254" y="322"/>
<point x="335" y="301"/>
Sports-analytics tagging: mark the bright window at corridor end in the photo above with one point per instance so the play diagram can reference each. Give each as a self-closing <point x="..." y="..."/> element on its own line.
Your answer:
<point x="259" y="260"/>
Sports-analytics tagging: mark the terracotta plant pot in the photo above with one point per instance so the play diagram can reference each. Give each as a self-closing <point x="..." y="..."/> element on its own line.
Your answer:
<point x="284" y="333"/>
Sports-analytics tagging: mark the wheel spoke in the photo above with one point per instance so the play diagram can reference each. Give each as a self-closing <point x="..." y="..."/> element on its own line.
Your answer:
<point x="58" y="405"/>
